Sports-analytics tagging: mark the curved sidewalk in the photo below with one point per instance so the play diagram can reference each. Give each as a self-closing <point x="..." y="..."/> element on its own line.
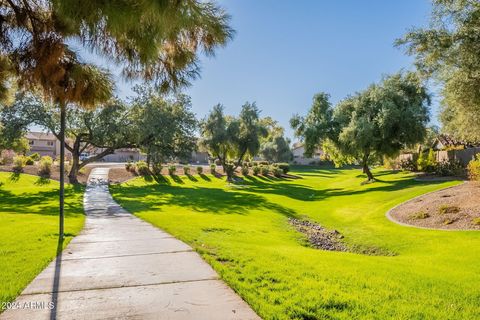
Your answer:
<point x="121" y="267"/>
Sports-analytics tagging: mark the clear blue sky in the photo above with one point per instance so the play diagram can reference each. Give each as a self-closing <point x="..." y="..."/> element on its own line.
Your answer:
<point x="286" y="51"/>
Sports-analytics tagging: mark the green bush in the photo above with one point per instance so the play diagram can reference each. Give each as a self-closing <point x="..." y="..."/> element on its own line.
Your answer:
<point x="265" y="170"/>
<point x="277" y="172"/>
<point x="186" y="170"/>
<point x="473" y="169"/>
<point x="449" y="168"/>
<point x="29" y="161"/>
<point x="19" y="163"/>
<point x="284" y="166"/>
<point x="409" y="165"/>
<point x="213" y="168"/>
<point x="45" y="166"/>
<point x="172" y="169"/>
<point x="256" y="170"/>
<point x="157" y="169"/>
<point x="428" y="163"/>
<point x="35" y="156"/>
<point x="142" y="168"/>
<point x="476" y="221"/>
<point x="245" y="170"/>
<point x="128" y="165"/>
<point x="199" y="169"/>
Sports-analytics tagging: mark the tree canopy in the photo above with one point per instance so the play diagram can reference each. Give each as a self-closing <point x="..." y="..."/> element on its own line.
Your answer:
<point x="230" y="139"/>
<point x="369" y="125"/>
<point x="275" y="147"/>
<point x="106" y="129"/>
<point x="448" y="51"/>
<point x="165" y="126"/>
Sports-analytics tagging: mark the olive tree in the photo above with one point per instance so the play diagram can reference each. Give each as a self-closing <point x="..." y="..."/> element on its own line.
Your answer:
<point x="448" y="51"/>
<point x="369" y="125"/>
<point x="229" y="139"/>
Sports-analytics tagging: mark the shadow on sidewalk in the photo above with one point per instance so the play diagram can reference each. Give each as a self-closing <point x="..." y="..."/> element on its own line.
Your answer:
<point x="56" y="280"/>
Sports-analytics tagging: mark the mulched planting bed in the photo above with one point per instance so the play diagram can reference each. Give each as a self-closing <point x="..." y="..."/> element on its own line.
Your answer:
<point x="55" y="175"/>
<point x="455" y="208"/>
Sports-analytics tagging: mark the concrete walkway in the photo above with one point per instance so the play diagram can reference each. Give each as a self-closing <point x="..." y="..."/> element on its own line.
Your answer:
<point x="121" y="267"/>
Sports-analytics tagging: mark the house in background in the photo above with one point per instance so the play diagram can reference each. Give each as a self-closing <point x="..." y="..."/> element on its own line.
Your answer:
<point x="446" y="142"/>
<point x="45" y="144"/>
<point x="298" y="151"/>
<point x="122" y="155"/>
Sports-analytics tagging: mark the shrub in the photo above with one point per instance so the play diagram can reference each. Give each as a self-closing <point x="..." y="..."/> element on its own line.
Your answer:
<point x="265" y="170"/>
<point x="142" y="168"/>
<point x="391" y="163"/>
<point x="419" y="215"/>
<point x="128" y="165"/>
<point x="29" y="161"/>
<point x="133" y="168"/>
<point x="35" y="156"/>
<point x="427" y="164"/>
<point x="199" y="169"/>
<point x="245" y="170"/>
<point x="7" y="156"/>
<point x="45" y="166"/>
<point x="213" y="168"/>
<point x="277" y="172"/>
<point x="256" y="170"/>
<point x="448" y="221"/>
<point x="254" y="164"/>
<point x="445" y="209"/>
<point x="284" y="166"/>
<point x="157" y="169"/>
<point x="19" y="163"/>
<point x="449" y="168"/>
<point x="172" y="169"/>
<point x="408" y="165"/>
<point x="186" y="170"/>
<point x="476" y="221"/>
<point x="473" y="169"/>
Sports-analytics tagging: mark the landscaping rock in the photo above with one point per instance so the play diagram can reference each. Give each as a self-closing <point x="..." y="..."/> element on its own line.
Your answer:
<point x="318" y="236"/>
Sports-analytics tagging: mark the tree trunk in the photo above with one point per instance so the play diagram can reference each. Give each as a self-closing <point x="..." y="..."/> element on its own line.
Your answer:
<point x="72" y="176"/>
<point x="62" y="167"/>
<point x="366" y="170"/>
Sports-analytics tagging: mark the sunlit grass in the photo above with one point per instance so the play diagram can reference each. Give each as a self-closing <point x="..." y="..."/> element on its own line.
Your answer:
<point x="243" y="232"/>
<point x="29" y="228"/>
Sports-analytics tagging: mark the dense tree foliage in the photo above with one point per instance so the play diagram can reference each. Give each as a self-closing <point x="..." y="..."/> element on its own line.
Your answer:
<point x="230" y="139"/>
<point x="449" y="51"/>
<point x="275" y="147"/>
<point x="107" y="128"/>
<point x="165" y="126"/>
<point x="369" y="125"/>
<point x="156" y="41"/>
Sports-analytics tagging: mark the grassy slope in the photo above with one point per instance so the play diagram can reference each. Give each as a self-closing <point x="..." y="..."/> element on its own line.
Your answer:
<point x="244" y="235"/>
<point x="29" y="228"/>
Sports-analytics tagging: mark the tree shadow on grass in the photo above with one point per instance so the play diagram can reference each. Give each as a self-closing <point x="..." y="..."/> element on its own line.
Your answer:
<point x="14" y="177"/>
<point x="301" y="192"/>
<point x="211" y="200"/>
<point x="191" y="178"/>
<point x="41" y="181"/>
<point x="43" y="202"/>
<point x="177" y="179"/>
<point x="205" y="177"/>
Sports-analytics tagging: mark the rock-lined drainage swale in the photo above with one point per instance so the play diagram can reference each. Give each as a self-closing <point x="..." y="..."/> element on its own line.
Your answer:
<point x="324" y="239"/>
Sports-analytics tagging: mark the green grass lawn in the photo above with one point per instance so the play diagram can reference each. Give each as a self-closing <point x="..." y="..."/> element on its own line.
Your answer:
<point x="243" y="232"/>
<point x="29" y="228"/>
